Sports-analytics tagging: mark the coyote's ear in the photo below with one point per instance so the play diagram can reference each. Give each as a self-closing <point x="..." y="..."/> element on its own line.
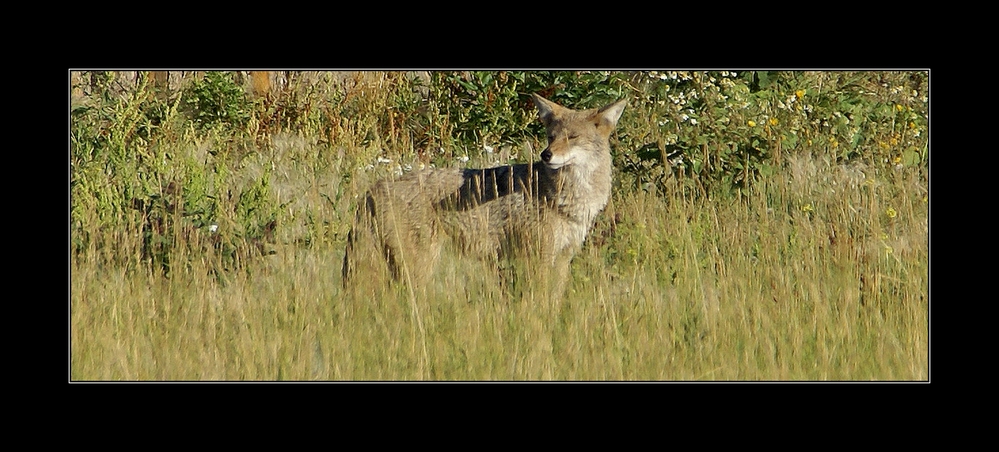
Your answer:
<point x="610" y="114"/>
<point x="546" y="108"/>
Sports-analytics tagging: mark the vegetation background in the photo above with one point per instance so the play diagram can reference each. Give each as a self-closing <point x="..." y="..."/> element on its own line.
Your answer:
<point x="763" y="226"/>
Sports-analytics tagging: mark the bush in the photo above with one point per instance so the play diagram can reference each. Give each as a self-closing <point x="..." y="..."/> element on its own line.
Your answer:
<point x="218" y="100"/>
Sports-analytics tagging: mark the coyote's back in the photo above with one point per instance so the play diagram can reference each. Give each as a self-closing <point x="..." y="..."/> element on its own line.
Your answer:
<point x="545" y="208"/>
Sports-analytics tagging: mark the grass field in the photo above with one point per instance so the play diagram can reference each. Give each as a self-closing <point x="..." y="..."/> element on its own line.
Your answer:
<point x="816" y="269"/>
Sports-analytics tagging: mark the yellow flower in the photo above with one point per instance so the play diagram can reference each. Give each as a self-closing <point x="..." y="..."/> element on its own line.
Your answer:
<point x="751" y="123"/>
<point x="806" y="208"/>
<point x="774" y="121"/>
<point x="899" y="107"/>
<point x="897" y="160"/>
<point x="891" y="213"/>
<point x="800" y="93"/>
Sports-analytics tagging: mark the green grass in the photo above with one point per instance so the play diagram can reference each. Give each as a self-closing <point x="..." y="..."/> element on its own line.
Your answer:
<point x="818" y="271"/>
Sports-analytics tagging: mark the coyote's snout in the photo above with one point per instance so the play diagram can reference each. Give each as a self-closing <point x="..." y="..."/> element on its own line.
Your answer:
<point x="545" y="208"/>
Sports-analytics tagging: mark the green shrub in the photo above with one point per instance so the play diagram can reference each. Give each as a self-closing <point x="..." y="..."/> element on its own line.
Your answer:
<point x="488" y="108"/>
<point x="218" y="99"/>
<point x="134" y="174"/>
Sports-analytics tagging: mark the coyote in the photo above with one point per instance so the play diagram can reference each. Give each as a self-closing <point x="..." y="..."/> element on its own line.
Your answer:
<point x="545" y="208"/>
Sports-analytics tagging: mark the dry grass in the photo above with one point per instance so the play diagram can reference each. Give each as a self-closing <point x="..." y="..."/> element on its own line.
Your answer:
<point x="819" y="274"/>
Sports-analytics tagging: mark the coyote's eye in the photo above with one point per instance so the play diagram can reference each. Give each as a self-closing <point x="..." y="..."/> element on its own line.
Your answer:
<point x="573" y="136"/>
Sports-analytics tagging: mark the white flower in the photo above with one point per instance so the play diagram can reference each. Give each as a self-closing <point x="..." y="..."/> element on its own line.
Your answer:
<point x="383" y="160"/>
<point x="488" y="149"/>
<point x="463" y="158"/>
<point x="693" y="121"/>
<point x="213" y="227"/>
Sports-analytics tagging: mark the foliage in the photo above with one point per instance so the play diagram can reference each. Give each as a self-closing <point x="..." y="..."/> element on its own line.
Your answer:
<point x="132" y="172"/>
<point x="218" y="100"/>
<point x="495" y="108"/>
<point x="724" y="130"/>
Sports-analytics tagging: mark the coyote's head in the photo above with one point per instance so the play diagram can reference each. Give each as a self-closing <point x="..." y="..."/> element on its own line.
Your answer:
<point x="576" y="137"/>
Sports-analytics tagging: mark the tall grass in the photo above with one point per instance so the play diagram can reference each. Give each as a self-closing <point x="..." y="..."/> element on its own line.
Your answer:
<point x="816" y="272"/>
<point x="761" y="289"/>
